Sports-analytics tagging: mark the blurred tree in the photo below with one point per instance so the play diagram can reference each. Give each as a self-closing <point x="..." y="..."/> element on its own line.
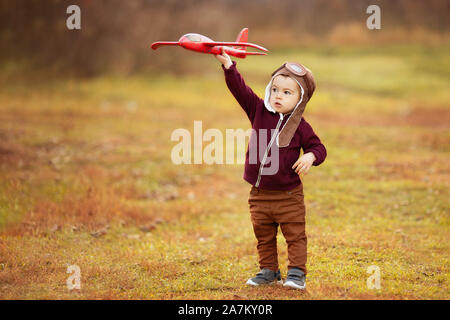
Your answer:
<point x="115" y="35"/>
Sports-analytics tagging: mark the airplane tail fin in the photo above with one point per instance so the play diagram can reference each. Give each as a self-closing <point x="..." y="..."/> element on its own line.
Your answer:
<point x="242" y="37"/>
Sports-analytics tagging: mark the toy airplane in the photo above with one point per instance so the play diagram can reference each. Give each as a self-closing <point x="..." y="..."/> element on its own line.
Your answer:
<point x="200" y="43"/>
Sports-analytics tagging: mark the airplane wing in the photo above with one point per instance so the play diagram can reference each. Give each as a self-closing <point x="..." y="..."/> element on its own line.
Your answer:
<point x="239" y="44"/>
<point x="255" y="53"/>
<point x="156" y="45"/>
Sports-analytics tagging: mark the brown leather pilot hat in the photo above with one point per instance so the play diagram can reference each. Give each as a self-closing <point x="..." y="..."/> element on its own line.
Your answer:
<point x="305" y="79"/>
<point x="300" y="73"/>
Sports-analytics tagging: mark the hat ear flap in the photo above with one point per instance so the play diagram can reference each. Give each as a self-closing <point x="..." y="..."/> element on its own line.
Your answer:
<point x="288" y="131"/>
<point x="310" y="83"/>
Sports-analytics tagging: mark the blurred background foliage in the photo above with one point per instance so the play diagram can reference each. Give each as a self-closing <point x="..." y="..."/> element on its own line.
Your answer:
<point x="115" y="35"/>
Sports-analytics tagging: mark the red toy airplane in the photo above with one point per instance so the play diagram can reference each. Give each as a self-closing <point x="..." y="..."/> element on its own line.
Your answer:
<point x="200" y="43"/>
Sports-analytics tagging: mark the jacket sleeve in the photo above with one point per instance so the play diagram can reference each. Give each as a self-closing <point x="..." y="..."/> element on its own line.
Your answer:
<point x="244" y="95"/>
<point x="311" y="143"/>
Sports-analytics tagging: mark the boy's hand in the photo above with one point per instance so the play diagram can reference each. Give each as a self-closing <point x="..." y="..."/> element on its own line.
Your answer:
<point x="224" y="59"/>
<point x="304" y="163"/>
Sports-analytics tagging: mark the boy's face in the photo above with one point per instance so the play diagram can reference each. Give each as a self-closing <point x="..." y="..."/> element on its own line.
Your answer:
<point x="284" y="94"/>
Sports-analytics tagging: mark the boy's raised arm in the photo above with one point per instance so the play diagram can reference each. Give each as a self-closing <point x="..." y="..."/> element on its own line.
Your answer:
<point x="242" y="93"/>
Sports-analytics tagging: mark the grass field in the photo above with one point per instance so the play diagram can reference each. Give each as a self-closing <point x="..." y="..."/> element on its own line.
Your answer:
<point x="86" y="179"/>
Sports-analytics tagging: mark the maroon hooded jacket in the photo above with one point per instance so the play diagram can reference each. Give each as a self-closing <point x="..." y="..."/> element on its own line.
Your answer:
<point x="259" y="171"/>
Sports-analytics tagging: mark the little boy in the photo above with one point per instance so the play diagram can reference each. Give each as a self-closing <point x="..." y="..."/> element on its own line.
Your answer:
<point x="277" y="198"/>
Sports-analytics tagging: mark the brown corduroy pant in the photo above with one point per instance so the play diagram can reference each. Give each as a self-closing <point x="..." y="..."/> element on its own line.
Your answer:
<point x="270" y="208"/>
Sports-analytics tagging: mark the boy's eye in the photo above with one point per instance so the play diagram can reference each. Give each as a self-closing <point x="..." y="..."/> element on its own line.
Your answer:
<point x="287" y="92"/>
<point x="274" y="89"/>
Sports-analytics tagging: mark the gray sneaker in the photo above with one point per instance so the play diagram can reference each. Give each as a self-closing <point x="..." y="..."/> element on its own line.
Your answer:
<point x="295" y="279"/>
<point x="265" y="276"/>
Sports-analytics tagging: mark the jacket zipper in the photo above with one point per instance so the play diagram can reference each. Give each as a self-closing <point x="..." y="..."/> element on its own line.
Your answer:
<point x="261" y="167"/>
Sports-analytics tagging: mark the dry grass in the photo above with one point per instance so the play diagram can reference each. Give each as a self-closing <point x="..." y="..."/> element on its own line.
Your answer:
<point x="87" y="180"/>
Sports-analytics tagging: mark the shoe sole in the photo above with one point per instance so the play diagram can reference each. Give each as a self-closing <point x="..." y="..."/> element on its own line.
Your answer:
<point x="293" y="285"/>
<point x="251" y="283"/>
